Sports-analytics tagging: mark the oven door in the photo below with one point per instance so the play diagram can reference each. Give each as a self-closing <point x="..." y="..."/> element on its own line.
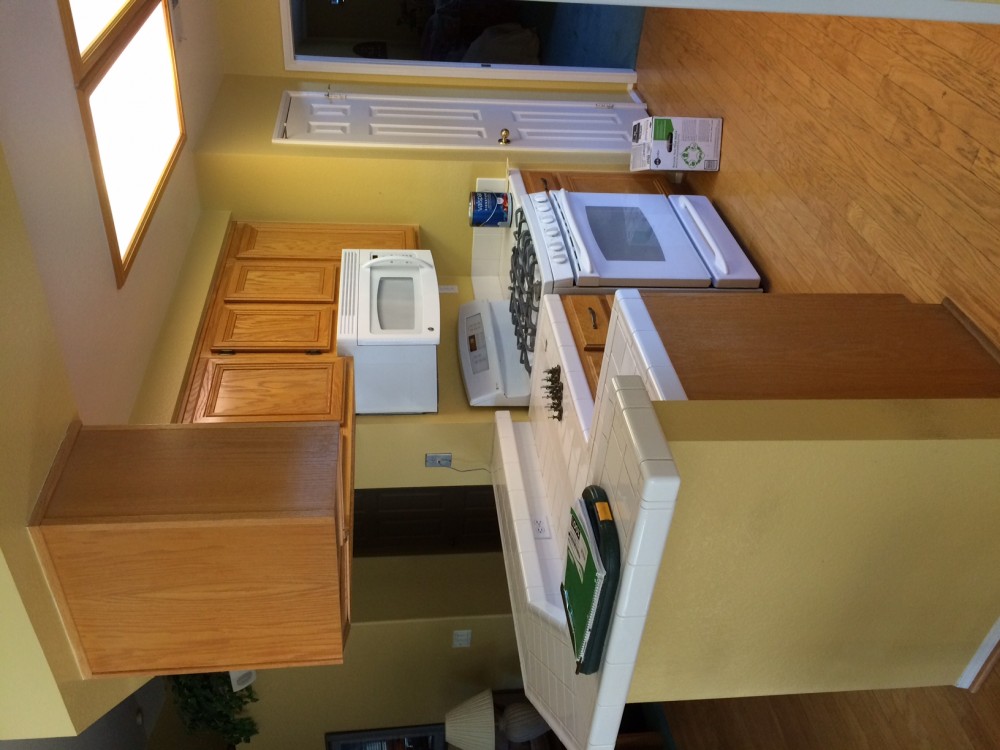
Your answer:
<point x="630" y="240"/>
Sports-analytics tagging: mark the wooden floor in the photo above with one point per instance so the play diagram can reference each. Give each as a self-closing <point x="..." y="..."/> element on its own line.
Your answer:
<point x="858" y="155"/>
<point x="920" y="719"/>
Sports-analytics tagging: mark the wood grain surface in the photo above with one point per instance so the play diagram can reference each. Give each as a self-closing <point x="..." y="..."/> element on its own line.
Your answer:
<point x="858" y="155"/>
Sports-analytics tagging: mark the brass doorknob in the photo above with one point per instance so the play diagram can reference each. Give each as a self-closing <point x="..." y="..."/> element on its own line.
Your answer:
<point x="504" y="137"/>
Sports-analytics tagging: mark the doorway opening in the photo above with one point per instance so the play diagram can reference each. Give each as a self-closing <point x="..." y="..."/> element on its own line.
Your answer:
<point x="476" y="32"/>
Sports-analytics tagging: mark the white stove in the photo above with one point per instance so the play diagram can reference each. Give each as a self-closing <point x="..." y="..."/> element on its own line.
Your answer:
<point x="562" y="242"/>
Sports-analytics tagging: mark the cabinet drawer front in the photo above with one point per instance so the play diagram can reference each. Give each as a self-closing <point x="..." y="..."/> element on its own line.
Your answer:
<point x="299" y="281"/>
<point x="276" y="327"/>
<point x="589" y="316"/>
<point x="261" y="390"/>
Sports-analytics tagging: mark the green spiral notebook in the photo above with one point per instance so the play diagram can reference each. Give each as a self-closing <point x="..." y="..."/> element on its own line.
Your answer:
<point x="593" y="561"/>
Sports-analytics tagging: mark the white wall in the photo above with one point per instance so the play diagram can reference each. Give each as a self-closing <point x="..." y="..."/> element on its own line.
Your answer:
<point x="116" y="730"/>
<point x="106" y="335"/>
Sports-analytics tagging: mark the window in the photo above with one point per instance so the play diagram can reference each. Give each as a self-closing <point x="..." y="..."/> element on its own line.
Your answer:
<point x="123" y="62"/>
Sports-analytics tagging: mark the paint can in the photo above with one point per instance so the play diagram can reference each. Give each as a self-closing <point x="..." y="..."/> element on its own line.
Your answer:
<point x="489" y="209"/>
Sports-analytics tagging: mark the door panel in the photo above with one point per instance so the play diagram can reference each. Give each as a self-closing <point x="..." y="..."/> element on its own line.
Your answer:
<point x="435" y="122"/>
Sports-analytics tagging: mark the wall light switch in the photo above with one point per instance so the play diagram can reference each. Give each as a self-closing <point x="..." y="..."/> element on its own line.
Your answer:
<point x="461" y="638"/>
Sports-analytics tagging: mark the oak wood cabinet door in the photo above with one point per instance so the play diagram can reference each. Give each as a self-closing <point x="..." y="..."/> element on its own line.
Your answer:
<point x="292" y="388"/>
<point x="274" y="327"/>
<point x="282" y="281"/>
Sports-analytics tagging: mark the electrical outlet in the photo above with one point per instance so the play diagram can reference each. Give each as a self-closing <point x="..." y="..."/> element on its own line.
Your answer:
<point x="540" y="528"/>
<point x="461" y="638"/>
<point x="437" y="460"/>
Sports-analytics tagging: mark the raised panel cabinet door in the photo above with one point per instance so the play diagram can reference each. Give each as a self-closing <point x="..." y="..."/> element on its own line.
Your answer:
<point x="282" y="281"/>
<point x="319" y="241"/>
<point x="201" y="595"/>
<point x="271" y="388"/>
<point x="274" y="328"/>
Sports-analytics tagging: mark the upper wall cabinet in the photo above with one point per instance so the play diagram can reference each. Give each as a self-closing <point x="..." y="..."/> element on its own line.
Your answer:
<point x="195" y="548"/>
<point x="267" y="347"/>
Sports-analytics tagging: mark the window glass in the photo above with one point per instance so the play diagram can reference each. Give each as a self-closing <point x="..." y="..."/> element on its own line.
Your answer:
<point x="91" y="18"/>
<point x="137" y="124"/>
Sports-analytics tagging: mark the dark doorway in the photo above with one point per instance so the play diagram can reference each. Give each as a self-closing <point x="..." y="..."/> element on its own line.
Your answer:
<point x="511" y="32"/>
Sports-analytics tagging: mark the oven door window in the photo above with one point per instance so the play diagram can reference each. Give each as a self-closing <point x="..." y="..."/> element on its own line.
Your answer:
<point x="623" y="239"/>
<point x="623" y="233"/>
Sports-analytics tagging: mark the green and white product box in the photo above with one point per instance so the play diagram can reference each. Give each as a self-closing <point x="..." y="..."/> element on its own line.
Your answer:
<point x="676" y="144"/>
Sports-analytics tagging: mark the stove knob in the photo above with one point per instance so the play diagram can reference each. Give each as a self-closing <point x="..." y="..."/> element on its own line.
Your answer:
<point x="548" y="218"/>
<point x="556" y="246"/>
<point x="542" y="203"/>
<point x="552" y="231"/>
<point x="559" y="258"/>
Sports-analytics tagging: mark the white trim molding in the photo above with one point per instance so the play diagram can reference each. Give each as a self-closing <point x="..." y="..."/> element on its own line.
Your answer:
<point x="980" y="658"/>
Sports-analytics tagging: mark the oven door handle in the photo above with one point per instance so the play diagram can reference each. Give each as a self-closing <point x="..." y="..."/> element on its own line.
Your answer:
<point x="578" y="252"/>
<point x="706" y="233"/>
<point x="398" y="260"/>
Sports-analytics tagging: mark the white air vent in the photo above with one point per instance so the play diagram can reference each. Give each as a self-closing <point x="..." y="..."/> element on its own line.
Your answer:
<point x="347" y="302"/>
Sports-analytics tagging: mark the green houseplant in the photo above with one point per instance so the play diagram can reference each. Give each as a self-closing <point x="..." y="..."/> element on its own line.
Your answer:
<point x="207" y="702"/>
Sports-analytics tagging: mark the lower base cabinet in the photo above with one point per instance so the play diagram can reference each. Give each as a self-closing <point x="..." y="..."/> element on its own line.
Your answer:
<point x="204" y="547"/>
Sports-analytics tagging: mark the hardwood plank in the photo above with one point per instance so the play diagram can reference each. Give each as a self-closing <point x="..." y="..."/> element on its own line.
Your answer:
<point x="841" y="169"/>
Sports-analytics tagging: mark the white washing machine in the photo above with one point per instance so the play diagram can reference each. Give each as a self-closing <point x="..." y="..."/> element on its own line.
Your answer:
<point x="389" y="320"/>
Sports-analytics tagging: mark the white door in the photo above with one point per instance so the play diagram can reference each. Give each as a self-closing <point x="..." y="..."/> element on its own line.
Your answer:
<point x="436" y="122"/>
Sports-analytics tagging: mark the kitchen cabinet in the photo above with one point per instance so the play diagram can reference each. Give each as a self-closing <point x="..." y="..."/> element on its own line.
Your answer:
<point x="267" y="346"/>
<point x="193" y="548"/>
<point x="596" y="182"/>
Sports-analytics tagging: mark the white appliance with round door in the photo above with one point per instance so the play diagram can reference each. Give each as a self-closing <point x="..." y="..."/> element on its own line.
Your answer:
<point x="389" y="320"/>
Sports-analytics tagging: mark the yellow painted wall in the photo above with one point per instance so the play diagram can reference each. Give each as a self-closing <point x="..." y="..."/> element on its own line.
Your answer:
<point x="822" y="546"/>
<point x="394" y="673"/>
<point x="425" y="586"/>
<point x="41" y="693"/>
<point x="165" y="375"/>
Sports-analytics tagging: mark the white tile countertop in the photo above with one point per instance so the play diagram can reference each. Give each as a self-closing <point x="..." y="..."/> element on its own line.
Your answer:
<point x="540" y="467"/>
